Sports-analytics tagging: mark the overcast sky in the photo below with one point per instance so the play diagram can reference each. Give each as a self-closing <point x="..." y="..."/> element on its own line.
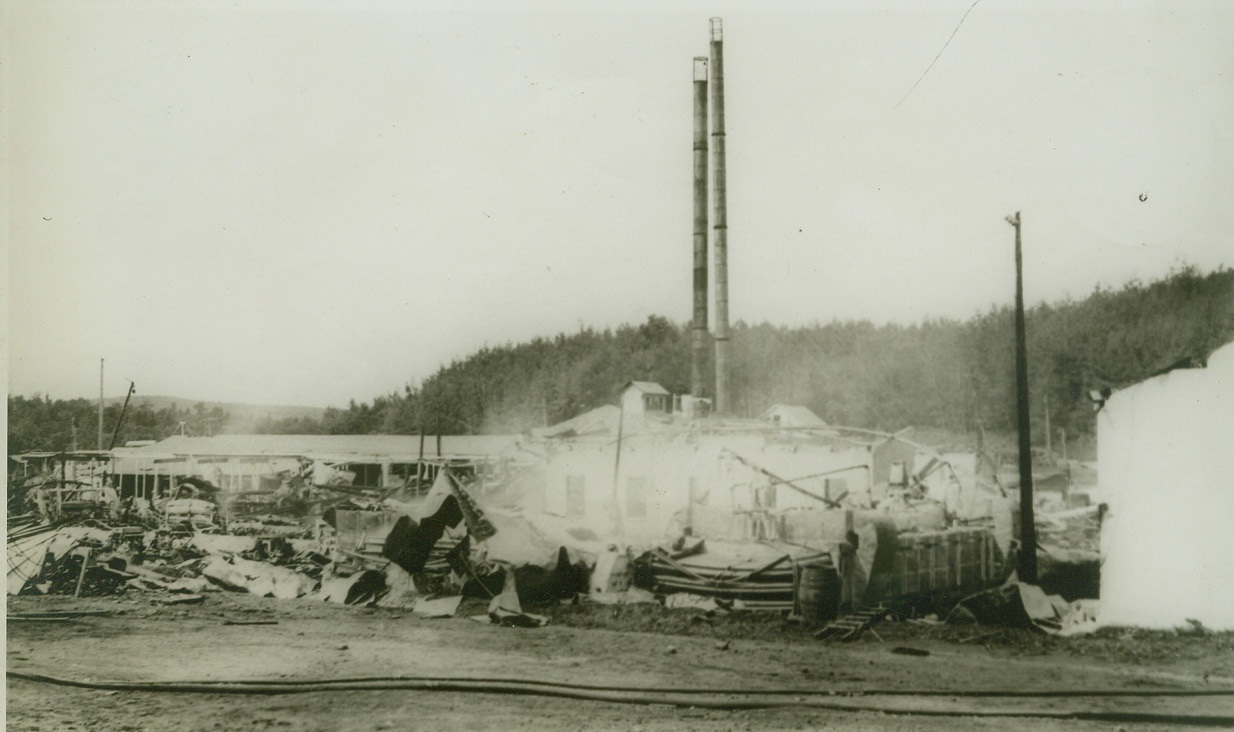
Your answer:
<point x="300" y="203"/>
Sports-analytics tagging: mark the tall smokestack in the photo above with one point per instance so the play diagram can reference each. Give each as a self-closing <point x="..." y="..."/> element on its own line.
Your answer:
<point x="722" y="404"/>
<point x="698" y="376"/>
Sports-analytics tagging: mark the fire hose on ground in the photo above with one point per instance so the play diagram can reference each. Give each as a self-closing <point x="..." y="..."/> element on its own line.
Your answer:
<point x="706" y="698"/>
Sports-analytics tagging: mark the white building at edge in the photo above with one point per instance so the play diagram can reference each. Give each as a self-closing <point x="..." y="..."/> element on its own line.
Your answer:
<point x="1166" y="467"/>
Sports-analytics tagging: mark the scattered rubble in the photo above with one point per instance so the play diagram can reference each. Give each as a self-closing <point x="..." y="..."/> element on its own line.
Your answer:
<point x="427" y="557"/>
<point x="1021" y="604"/>
<point x="430" y="547"/>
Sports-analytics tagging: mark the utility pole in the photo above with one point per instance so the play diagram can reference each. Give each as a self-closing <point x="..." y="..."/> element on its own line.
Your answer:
<point x="1028" y="526"/>
<point x="100" y="404"/>
<point x="1049" y="448"/>
<point x="1062" y="435"/>
<point x="621" y="422"/>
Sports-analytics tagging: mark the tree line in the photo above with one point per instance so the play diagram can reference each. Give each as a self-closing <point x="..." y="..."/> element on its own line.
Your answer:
<point x="940" y="373"/>
<point x="40" y="423"/>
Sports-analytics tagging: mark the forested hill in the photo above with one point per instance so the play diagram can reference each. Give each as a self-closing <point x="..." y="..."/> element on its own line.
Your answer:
<point x="40" y="423"/>
<point x="943" y="374"/>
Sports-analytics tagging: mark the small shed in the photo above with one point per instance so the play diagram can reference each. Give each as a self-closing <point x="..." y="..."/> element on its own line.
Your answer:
<point x="645" y="397"/>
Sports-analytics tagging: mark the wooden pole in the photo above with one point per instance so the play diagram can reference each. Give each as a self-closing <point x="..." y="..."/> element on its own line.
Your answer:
<point x="64" y="476"/>
<point x="848" y="557"/>
<point x="1028" y="526"/>
<point x="123" y="410"/>
<point x="621" y="420"/>
<point x="1062" y="434"/>
<point x="1049" y="444"/>
<point x="100" y="404"/>
<point x="777" y="480"/>
<point x="420" y="473"/>
<point x="81" y="578"/>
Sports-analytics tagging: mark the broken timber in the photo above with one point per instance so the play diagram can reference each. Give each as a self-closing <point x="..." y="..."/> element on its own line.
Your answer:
<point x="852" y="626"/>
<point x="778" y="480"/>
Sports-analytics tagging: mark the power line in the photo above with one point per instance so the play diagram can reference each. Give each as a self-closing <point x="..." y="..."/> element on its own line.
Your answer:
<point x="940" y="52"/>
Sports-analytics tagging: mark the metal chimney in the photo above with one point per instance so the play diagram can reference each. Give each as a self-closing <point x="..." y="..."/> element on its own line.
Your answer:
<point x="722" y="403"/>
<point x="698" y="376"/>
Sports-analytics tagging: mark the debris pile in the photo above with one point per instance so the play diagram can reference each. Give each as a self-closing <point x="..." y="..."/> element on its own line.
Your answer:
<point x="260" y="578"/>
<point x="432" y="557"/>
<point x="309" y="533"/>
<point x="1072" y="535"/>
<point x="799" y="583"/>
<point x="758" y="577"/>
<point x="362" y="548"/>
<point x="1021" y="604"/>
<point x="73" y="560"/>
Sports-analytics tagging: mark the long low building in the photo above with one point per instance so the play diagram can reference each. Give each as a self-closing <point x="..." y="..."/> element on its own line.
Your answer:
<point x="239" y="463"/>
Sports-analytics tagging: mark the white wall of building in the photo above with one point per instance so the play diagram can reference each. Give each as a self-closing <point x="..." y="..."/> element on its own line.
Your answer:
<point x="659" y="473"/>
<point x="1166" y="469"/>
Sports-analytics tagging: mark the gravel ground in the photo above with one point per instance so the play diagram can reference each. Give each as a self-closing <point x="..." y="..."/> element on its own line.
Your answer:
<point x="143" y="640"/>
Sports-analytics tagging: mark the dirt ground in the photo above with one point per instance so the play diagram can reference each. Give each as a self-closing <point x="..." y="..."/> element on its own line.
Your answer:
<point x="634" y="646"/>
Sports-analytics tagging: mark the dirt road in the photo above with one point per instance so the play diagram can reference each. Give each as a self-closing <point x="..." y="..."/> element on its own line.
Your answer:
<point x="141" y="640"/>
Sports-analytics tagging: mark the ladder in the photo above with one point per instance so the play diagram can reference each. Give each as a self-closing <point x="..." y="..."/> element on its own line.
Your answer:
<point x="851" y="627"/>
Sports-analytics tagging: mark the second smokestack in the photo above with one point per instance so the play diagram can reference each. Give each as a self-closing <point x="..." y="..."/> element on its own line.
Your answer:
<point x="698" y="377"/>
<point x="722" y="403"/>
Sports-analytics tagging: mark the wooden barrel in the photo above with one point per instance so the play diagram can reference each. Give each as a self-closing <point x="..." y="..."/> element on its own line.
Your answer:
<point x="818" y="593"/>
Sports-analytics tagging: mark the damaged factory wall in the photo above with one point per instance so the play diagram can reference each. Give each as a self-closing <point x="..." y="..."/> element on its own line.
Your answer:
<point x="1166" y="467"/>
<point x="665" y="474"/>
